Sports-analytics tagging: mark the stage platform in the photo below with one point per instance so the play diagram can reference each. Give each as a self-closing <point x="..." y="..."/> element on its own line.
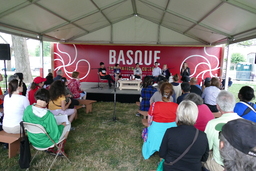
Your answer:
<point x="107" y="95"/>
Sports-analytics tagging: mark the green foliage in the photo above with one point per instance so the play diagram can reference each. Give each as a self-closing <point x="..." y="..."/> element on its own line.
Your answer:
<point x="246" y="43"/>
<point x="47" y="49"/>
<point x="237" y="57"/>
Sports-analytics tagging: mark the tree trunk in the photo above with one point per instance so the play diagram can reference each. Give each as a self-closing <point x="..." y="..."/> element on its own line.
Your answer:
<point x="22" y="63"/>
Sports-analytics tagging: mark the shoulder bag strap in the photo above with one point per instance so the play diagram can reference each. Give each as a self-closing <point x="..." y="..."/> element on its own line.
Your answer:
<point x="183" y="154"/>
<point x="248" y="109"/>
<point x="55" y="104"/>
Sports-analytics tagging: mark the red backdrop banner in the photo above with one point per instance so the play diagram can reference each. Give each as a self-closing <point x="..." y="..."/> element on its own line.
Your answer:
<point x="202" y="61"/>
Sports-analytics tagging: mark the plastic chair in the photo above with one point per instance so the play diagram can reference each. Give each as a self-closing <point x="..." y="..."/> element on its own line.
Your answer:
<point x="39" y="129"/>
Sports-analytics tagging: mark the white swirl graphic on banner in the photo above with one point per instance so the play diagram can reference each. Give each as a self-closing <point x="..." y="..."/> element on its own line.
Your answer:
<point x="207" y="63"/>
<point x="71" y="61"/>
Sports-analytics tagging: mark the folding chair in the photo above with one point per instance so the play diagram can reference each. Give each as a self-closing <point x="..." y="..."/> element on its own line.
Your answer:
<point x="39" y="129"/>
<point x="100" y="80"/>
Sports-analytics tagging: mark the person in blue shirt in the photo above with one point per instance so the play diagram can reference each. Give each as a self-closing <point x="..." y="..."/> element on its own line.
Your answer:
<point x="117" y="72"/>
<point x="146" y="93"/>
<point x="245" y="108"/>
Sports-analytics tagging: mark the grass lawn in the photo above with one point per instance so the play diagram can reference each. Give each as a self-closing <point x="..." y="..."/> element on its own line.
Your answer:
<point x="98" y="143"/>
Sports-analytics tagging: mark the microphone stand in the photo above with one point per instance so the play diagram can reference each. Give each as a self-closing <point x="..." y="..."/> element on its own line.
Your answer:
<point x="114" y="113"/>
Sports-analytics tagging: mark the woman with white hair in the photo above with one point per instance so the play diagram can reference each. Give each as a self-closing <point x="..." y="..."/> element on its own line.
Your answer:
<point x="184" y="137"/>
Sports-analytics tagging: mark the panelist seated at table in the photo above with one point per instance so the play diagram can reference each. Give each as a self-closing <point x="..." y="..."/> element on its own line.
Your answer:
<point x="104" y="75"/>
<point x="117" y="72"/>
<point x="137" y="72"/>
<point x="156" y="72"/>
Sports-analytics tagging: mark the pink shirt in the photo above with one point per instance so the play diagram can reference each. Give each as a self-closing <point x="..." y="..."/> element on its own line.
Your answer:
<point x="204" y="116"/>
<point x="74" y="87"/>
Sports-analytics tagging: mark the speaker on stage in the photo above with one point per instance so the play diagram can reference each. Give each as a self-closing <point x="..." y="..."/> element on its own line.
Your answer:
<point x="5" y="53"/>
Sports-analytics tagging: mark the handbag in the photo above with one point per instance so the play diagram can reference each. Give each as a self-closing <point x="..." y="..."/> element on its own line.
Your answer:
<point x="25" y="155"/>
<point x="160" y="166"/>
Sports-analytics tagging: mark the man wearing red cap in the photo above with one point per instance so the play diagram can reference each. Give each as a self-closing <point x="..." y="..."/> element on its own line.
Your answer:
<point x="37" y="83"/>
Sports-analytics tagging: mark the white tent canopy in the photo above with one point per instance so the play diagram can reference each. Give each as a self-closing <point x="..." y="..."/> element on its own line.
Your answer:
<point x="191" y="22"/>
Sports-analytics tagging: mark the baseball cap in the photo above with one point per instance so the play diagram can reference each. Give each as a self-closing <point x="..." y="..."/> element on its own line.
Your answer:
<point x="38" y="80"/>
<point x="207" y="79"/>
<point x="240" y="133"/>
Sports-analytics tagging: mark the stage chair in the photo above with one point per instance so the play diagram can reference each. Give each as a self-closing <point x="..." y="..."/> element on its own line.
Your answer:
<point x="39" y="129"/>
<point x="100" y="80"/>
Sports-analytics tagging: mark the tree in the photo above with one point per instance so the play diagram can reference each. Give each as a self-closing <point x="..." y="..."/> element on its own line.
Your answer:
<point x="47" y="49"/>
<point x="237" y="57"/>
<point x="22" y="62"/>
<point x="246" y="43"/>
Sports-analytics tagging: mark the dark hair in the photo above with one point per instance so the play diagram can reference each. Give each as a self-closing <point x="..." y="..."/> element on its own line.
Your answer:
<point x="137" y="63"/>
<point x="147" y="81"/>
<point x="185" y="86"/>
<point x="194" y="98"/>
<point x="63" y="79"/>
<point x="13" y="85"/>
<point x="246" y="93"/>
<point x="176" y="77"/>
<point x="49" y="74"/>
<point x="156" y="62"/>
<point x="116" y="65"/>
<point x="42" y="94"/>
<point x="33" y="86"/>
<point x="101" y="63"/>
<point x="20" y="75"/>
<point x="57" y="89"/>
<point x="166" y="88"/>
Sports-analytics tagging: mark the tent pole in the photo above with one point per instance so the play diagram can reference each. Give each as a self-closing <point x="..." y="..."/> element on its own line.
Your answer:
<point x="227" y="66"/>
<point x="41" y="56"/>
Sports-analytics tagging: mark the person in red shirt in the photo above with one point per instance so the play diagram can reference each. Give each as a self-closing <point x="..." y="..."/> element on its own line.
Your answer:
<point x="162" y="115"/>
<point x="37" y="83"/>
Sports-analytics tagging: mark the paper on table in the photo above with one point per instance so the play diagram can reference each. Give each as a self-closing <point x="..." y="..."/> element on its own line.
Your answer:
<point x="61" y="118"/>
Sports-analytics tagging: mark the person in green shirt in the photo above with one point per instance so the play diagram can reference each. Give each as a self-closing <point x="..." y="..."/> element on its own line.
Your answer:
<point x="39" y="114"/>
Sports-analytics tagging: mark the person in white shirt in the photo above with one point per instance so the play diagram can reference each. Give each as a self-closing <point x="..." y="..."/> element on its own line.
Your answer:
<point x="156" y="72"/>
<point x="14" y="106"/>
<point x="137" y="72"/>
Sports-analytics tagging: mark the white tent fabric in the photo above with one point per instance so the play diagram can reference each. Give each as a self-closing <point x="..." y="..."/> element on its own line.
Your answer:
<point x="197" y="22"/>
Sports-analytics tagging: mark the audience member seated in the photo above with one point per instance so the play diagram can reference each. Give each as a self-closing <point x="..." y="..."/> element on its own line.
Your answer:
<point x="69" y="95"/>
<point x="185" y="73"/>
<point x="146" y="93"/>
<point x="185" y="87"/>
<point x="117" y="72"/>
<point x="14" y="106"/>
<point x="38" y="114"/>
<point x="74" y="86"/>
<point x="158" y="96"/>
<point x="194" y="87"/>
<point x="137" y="72"/>
<point x="229" y="82"/>
<point x="59" y="75"/>
<point x="49" y="80"/>
<point x="37" y="83"/>
<point x="58" y="103"/>
<point x="210" y="94"/>
<point x="104" y="75"/>
<point x="225" y="103"/>
<point x="177" y="139"/>
<point x="20" y="76"/>
<point x="156" y="72"/>
<point x="162" y="115"/>
<point x="237" y="145"/>
<point x="206" y="83"/>
<point x="204" y="113"/>
<point x="176" y="87"/>
<point x="245" y="108"/>
<point x="165" y="73"/>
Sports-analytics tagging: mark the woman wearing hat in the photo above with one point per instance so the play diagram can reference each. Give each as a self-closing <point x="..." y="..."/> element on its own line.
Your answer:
<point x="37" y="83"/>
